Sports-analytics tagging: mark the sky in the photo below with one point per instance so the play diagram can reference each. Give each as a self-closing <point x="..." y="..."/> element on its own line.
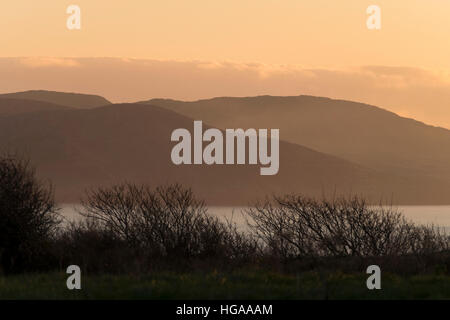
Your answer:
<point x="234" y="47"/>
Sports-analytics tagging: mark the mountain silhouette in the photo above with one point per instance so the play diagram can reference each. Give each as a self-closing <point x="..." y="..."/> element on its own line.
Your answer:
<point x="78" y="149"/>
<point x="74" y="100"/>
<point x="10" y="107"/>
<point x="360" y="133"/>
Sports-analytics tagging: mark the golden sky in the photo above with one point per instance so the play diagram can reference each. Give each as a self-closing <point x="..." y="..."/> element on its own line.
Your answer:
<point x="191" y="49"/>
<point x="316" y="33"/>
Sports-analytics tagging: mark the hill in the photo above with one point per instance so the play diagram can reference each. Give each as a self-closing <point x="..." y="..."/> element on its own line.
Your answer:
<point x="73" y="100"/>
<point x="77" y="149"/>
<point x="9" y="107"/>
<point x="363" y="134"/>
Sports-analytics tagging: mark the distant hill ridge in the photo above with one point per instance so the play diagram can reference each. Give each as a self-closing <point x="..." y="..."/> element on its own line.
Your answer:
<point x="361" y="133"/>
<point x="78" y="149"/>
<point x="327" y="146"/>
<point x="73" y="100"/>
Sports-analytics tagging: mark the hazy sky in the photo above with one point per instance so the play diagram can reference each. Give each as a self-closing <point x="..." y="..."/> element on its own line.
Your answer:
<point x="248" y="47"/>
<point x="319" y="33"/>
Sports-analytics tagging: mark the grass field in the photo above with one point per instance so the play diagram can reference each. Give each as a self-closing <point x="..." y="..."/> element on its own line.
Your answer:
<point x="241" y="285"/>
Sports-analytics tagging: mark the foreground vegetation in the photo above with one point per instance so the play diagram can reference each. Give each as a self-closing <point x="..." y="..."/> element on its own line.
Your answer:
<point x="217" y="285"/>
<point x="140" y="242"/>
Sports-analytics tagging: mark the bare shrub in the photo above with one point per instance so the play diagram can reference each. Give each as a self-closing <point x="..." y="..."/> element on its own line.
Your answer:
<point x="294" y="226"/>
<point x="116" y="209"/>
<point x="28" y="215"/>
<point x="94" y="248"/>
<point x="176" y="223"/>
<point x="167" y="221"/>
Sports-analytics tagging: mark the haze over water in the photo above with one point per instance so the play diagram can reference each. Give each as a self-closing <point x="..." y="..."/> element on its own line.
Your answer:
<point x="426" y="215"/>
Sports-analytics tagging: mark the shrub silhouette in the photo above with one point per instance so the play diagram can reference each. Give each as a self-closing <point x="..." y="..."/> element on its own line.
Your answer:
<point x="136" y="228"/>
<point x="167" y="227"/>
<point x="95" y="249"/>
<point x="294" y="226"/>
<point x="28" y="216"/>
<point x="164" y="222"/>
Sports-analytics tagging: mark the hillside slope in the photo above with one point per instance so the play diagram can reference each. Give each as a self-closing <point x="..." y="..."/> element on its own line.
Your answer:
<point x="77" y="149"/>
<point x="9" y="107"/>
<point x="360" y="133"/>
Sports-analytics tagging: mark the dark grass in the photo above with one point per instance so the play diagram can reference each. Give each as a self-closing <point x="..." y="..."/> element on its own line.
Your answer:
<point x="216" y="285"/>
